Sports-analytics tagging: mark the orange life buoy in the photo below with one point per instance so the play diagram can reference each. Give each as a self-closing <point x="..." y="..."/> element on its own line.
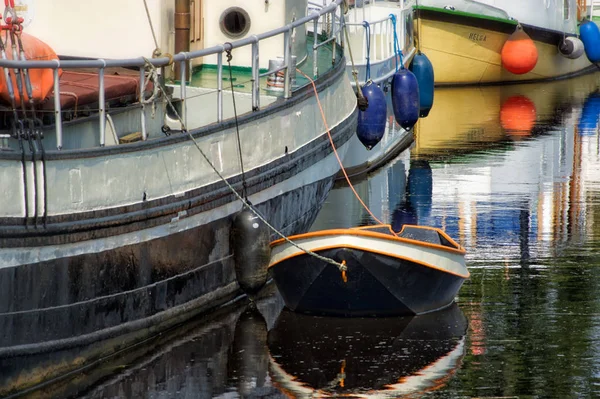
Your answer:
<point x="42" y="80"/>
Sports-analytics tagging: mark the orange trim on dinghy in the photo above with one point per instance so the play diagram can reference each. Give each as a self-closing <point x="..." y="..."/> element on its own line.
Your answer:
<point x="396" y="256"/>
<point x="363" y="231"/>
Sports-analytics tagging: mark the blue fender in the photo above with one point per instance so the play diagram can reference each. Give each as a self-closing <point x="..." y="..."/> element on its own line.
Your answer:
<point x="423" y="70"/>
<point x="371" y="122"/>
<point x="405" y="98"/>
<point x="590" y="36"/>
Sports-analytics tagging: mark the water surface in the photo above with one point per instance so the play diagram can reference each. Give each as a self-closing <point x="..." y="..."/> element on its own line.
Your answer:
<point x="513" y="174"/>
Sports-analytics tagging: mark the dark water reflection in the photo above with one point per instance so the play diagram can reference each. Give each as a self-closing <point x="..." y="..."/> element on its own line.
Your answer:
<point x="513" y="174"/>
<point x="389" y="357"/>
<point x="270" y="352"/>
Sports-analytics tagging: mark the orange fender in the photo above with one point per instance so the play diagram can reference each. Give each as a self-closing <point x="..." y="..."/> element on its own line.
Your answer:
<point x="519" y="54"/>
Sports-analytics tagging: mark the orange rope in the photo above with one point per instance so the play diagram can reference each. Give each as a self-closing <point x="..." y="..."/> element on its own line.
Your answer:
<point x="581" y="9"/>
<point x="334" y="149"/>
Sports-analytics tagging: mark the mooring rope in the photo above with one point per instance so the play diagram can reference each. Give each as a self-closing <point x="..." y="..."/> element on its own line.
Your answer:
<point x="397" y="51"/>
<point x="362" y="100"/>
<point x="29" y="131"/>
<point x="368" y="48"/>
<point x="157" y="51"/>
<point x="417" y="39"/>
<point x="341" y="266"/>
<point x="237" y="128"/>
<point x="335" y="150"/>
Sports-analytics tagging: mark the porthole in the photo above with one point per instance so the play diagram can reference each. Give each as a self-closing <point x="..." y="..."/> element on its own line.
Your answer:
<point x="235" y="22"/>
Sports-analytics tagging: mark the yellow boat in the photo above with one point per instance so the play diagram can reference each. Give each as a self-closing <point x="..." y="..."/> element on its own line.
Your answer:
<point x="464" y="39"/>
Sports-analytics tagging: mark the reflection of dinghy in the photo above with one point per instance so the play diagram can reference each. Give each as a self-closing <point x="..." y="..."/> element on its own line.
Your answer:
<point x="390" y="357"/>
<point x="415" y="271"/>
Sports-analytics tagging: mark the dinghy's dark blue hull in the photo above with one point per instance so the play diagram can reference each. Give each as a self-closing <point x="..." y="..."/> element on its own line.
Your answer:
<point x="376" y="285"/>
<point x="379" y="272"/>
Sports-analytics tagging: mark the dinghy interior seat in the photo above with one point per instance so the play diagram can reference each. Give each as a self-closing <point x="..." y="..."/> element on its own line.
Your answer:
<point x="383" y="229"/>
<point x="424" y="234"/>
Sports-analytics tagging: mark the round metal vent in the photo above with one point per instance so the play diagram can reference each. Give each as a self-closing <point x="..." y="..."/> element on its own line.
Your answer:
<point x="235" y="22"/>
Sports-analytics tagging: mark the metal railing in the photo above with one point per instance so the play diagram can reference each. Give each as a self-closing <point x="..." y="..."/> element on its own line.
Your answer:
<point x="183" y="59"/>
<point x="381" y="31"/>
<point x="594" y="9"/>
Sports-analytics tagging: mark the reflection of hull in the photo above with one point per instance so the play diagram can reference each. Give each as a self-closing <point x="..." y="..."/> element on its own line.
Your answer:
<point x="463" y="118"/>
<point x="466" y="48"/>
<point x="141" y="370"/>
<point x="416" y="271"/>
<point x="470" y="119"/>
<point x="323" y="356"/>
<point x="519" y="197"/>
<point x="525" y="197"/>
<point x="193" y="359"/>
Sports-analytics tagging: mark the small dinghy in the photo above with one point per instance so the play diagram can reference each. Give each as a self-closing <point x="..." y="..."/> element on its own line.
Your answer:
<point x="416" y="271"/>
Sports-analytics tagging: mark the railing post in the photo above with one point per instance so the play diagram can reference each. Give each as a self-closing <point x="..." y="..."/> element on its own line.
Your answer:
<point x="316" y="47"/>
<point x="365" y="41"/>
<point x="333" y="33"/>
<point x="342" y="27"/>
<point x="220" y="87"/>
<point x="390" y="45"/>
<point x="57" y="110"/>
<point x="255" y="76"/>
<point x="143" y="113"/>
<point x="182" y="87"/>
<point x="333" y="49"/>
<point x="287" y="52"/>
<point x="381" y="28"/>
<point x="102" y="105"/>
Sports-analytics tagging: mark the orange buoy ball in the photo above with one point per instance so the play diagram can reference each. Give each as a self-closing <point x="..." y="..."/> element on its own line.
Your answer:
<point x="519" y="54"/>
<point x="42" y="80"/>
<point x="517" y="116"/>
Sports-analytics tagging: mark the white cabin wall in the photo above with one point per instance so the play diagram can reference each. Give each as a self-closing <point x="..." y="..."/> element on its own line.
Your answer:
<point x="120" y="28"/>
<point x="263" y="17"/>
<point x="103" y="29"/>
<point x="296" y="9"/>
<point x="548" y="14"/>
